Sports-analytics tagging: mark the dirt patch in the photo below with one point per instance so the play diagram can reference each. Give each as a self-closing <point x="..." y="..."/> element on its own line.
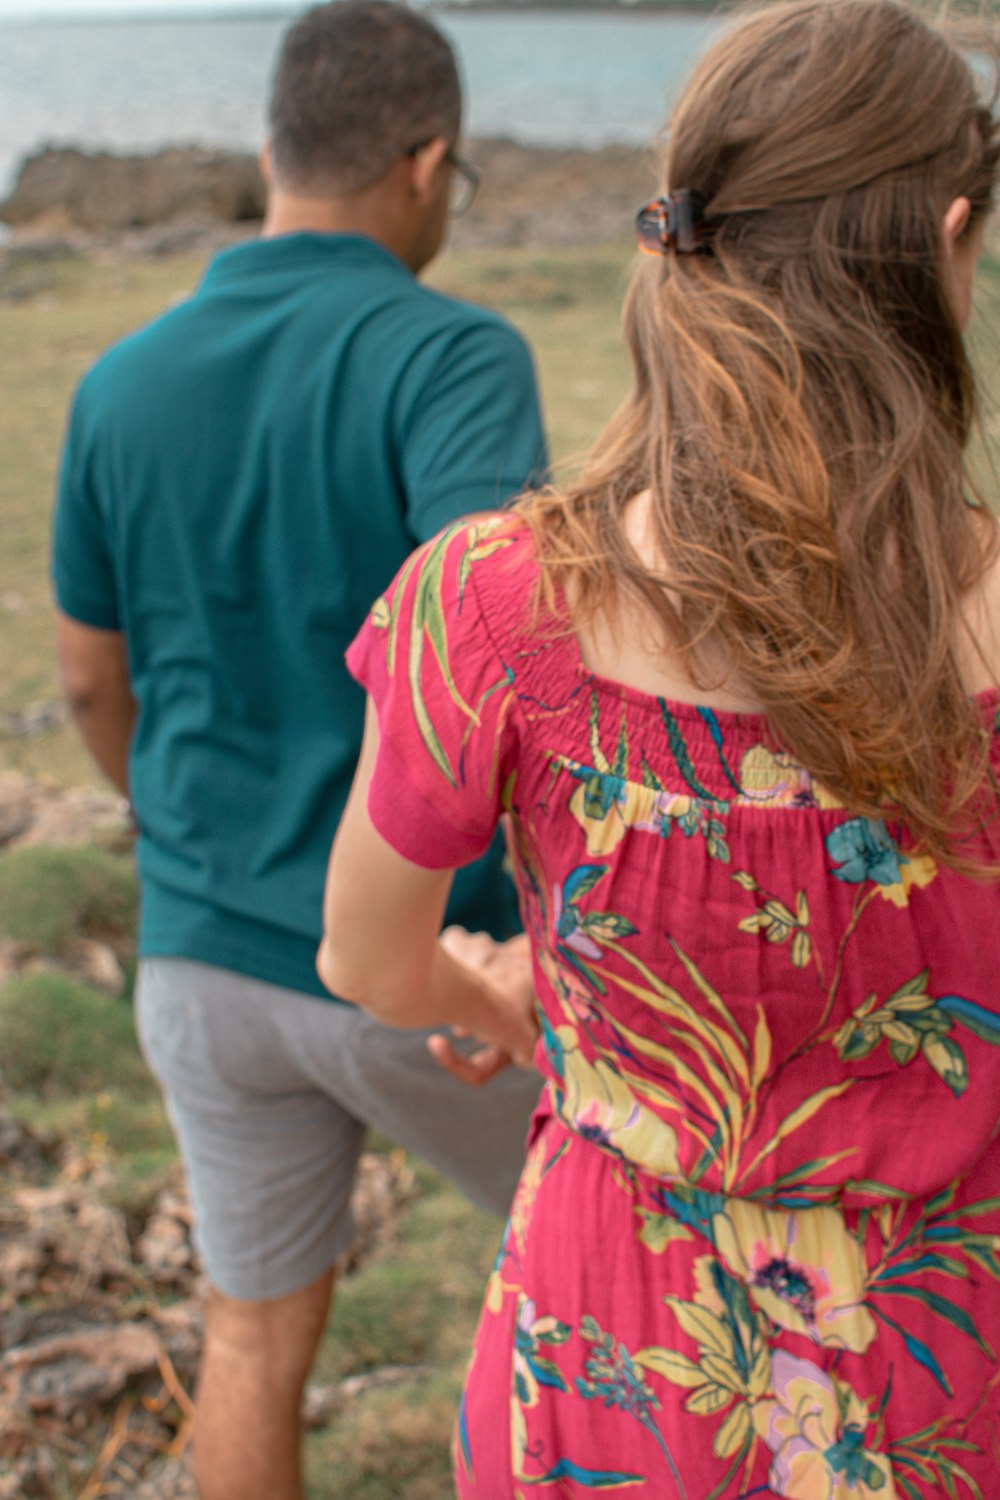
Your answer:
<point x="33" y="812"/>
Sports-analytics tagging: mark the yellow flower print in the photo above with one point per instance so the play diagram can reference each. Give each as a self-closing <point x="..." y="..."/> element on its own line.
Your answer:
<point x="604" y="808"/>
<point x="600" y="1106"/>
<point x="523" y="1207"/>
<point x="801" y="1267"/>
<point x="733" y="1368"/>
<point x="918" y="871"/>
<point x="815" y="1427"/>
<point x="775" y="778"/>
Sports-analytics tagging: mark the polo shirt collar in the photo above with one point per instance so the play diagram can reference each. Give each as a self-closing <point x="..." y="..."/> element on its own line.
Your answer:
<point x="304" y="250"/>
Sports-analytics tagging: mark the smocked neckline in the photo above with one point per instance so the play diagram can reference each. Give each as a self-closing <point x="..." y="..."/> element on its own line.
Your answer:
<point x="736" y="721"/>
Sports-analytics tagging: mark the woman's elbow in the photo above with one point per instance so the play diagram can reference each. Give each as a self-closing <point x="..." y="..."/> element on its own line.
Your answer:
<point x="369" y="985"/>
<point x="336" y="975"/>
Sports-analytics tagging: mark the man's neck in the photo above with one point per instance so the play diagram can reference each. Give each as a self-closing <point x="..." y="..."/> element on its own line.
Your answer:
<point x="361" y="213"/>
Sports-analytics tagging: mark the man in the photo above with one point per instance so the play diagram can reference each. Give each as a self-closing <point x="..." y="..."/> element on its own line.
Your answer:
<point x="240" y="480"/>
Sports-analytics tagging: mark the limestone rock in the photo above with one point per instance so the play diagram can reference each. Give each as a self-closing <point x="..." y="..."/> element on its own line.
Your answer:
<point x="60" y="188"/>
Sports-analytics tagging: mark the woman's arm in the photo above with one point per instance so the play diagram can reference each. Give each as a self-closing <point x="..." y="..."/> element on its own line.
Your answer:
<point x="380" y="950"/>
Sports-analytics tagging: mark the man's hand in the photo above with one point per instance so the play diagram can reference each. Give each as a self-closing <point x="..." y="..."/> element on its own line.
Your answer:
<point x="507" y="969"/>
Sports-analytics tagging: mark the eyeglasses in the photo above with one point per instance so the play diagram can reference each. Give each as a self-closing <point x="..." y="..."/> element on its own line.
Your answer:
<point x="464" y="179"/>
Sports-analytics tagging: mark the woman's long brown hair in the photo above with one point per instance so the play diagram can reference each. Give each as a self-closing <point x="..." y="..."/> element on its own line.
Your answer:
<point x="802" y="402"/>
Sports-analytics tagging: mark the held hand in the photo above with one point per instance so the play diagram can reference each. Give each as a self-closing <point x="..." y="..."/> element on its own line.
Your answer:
<point x="473" y="1068"/>
<point x="505" y="1018"/>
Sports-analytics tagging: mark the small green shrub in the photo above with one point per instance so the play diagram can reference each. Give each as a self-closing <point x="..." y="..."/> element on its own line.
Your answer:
<point x="60" y="1038"/>
<point x="50" y="895"/>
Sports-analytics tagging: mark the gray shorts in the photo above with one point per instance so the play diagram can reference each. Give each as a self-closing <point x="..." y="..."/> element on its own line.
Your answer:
<point x="271" y="1091"/>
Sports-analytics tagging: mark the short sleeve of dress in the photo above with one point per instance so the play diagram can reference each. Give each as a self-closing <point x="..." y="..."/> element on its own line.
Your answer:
<point x="443" y="698"/>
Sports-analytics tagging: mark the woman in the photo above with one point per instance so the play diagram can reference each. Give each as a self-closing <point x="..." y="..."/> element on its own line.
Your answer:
<point x="736" y="692"/>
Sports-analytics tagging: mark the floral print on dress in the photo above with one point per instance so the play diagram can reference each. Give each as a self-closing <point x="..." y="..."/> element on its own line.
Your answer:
<point x="756" y="1245"/>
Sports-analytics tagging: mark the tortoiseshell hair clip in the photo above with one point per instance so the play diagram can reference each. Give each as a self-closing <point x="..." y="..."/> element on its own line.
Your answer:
<point x="673" y="222"/>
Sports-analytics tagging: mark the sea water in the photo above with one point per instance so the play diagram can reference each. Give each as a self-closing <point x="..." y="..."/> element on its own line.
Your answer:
<point x="566" y="79"/>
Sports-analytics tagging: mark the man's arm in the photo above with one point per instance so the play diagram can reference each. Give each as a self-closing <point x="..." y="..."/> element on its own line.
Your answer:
<point x="94" y="670"/>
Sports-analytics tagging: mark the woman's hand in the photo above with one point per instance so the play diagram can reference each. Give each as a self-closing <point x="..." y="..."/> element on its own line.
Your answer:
<point x="505" y="1020"/>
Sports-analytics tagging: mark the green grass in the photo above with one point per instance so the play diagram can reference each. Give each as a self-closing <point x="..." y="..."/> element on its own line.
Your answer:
<point x="61" y="1039"/>
<point x="72" y="1069"/>
<point x="49" y="896"/>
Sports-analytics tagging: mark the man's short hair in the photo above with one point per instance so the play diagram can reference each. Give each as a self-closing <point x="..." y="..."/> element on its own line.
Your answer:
<point x="358" y="84"/>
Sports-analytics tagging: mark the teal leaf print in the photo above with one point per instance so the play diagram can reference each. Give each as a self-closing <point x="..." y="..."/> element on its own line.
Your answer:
<point x="917" y="1349"/>
<point x="914" y="1022"/>
<point x="581" y="880"/>
<point x="612" y="1377"/>
<point x="620" y="764"/>
<point x="591" y="1479"/>
<point x="984" y="1024"/>
<point x="698" y="818"/>
<point x="601" y="791"/>
<point x="849" y="1458"/>
<point x="607" y="925"/>
<point x="464" y="1443"/>
<point x="956" y="1316"/>
<point x="930" y="1457"/>
<point x="709" y="719"/>
<point x="531" y="1367"/>
<point x="679" y="750"/>
<point x="928" y="1261"/>
<point x="555" y="1052"/>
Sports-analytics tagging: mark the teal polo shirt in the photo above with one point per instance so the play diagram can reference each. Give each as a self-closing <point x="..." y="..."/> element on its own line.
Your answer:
<point x="240" y="480"/>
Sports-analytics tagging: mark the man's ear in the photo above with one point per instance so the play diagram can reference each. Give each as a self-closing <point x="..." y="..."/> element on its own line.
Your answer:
<point x="424" y="167"/>
<point x="265" y="161"/>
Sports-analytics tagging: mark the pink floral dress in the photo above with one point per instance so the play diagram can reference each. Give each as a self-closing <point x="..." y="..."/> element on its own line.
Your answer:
<point x="754" y="1250"/>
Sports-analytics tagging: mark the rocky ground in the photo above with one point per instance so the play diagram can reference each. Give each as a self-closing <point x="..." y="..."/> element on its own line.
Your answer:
<point x="101" y="1324"/>
<point x="199" y="199"/>
<point x="101" y="1309"/>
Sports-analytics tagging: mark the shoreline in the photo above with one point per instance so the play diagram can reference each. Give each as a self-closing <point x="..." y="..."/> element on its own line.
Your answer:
<point x="195" y="197"/>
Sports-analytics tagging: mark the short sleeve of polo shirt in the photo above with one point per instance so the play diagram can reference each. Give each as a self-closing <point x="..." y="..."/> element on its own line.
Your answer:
<point x="443" y="699"/>
<point x="476" y="437"/>
<point x="83" y="572"/>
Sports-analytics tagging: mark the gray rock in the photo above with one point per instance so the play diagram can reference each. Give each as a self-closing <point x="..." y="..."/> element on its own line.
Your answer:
<point x="63" y="188"/>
